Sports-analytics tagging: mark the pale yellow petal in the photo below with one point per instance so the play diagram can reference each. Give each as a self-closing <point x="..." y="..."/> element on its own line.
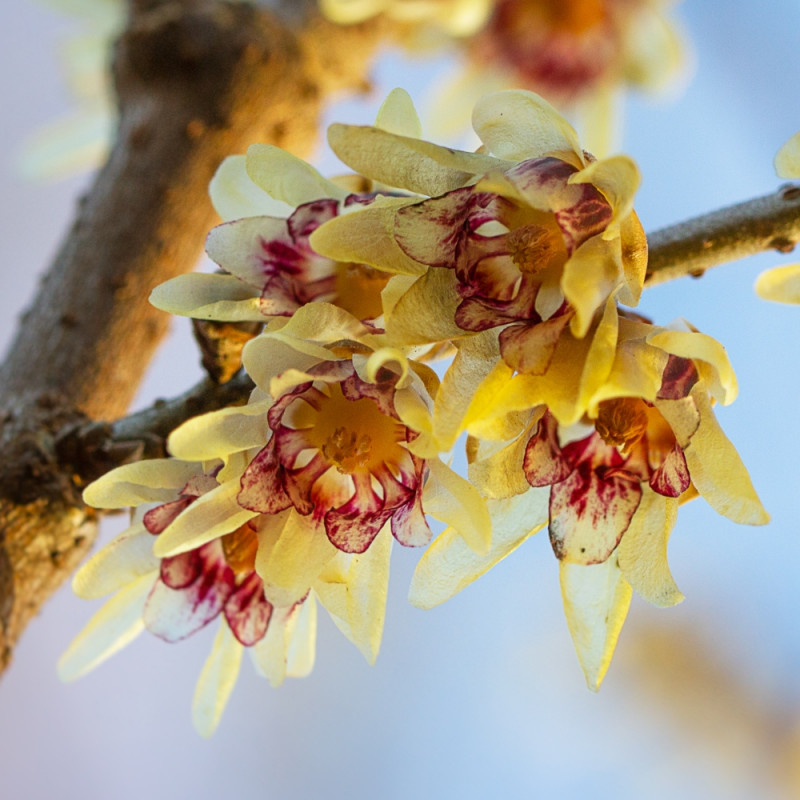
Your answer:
<point x="291" y="565"/>
<point x="781" y="284"/>
<point x="787" y="160"/>
<point x="642" y="552"/>
<point x="718" y="375"/>
<point x="208" y="296"/>
<point x="449" y="564"/>
<point x="519" y="125"/>
<point x="115" y="625"/>
<point x="288" y="178"/>
<point x="365" y="235"/>
<point x="596" y="600"/>
<point x="618" y="178"/>
<point x="148" y="481"/>
<point x="216" y="681"/>
<point x="209" y="517"/>
<point x="501" y="474"/>
<point x="398" y="115"/>
<point x="234" y="195"/>
<point x="717" y="470"/>
<point x="405" y="162"/>
<point x="220" y="433"/>
<point x="302" y="647"/>
<point x="123" y="560"/>
<point x="455" y="501"/>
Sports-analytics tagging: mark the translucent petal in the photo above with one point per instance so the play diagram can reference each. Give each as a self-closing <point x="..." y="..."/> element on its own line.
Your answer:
<point x="234" y="195"/>
<point x="115" y="625"/>
<point x="149" y="481"/>
<point x="291" y="565"/>
<point x="519" y="125"/>
<point x="209" y="517"/>
<point x="398" y="115"/>
<point x="216" y="682"/>
<point x="302" y="646"/>
<point x="717" y="470"/>
<point x="405" y="162"/>
<point x="288" y="178"/>
<point x="787" y="160"/>
<point x="366" y="236"/>
<point x="596" y="601"/>
<point x="449" y="564"/>
<point x="208" y="296"/>
<point x="781" y="284"/>
<point x="220" y="433"/>
<point x="642" y="553"/>
<point x="456" y="502"/>
<point x="120" y="562"/>
<point x="501" y="475"/>
<point x="720" y="378"/>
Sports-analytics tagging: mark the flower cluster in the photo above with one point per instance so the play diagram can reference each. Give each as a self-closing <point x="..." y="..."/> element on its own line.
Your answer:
<point x="578" y="414"/>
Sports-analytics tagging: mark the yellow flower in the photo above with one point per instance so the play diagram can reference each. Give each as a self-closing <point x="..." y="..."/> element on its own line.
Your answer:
<point x="607" y="472"/>
<point x="782" y="284"/>
<point x="175" y="596"/>
<point x="80" y="140"/>
<point x="530" y="231"/>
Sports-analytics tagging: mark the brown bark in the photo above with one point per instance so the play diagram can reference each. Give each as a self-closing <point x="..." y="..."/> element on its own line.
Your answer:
<point x="196" y="80"/>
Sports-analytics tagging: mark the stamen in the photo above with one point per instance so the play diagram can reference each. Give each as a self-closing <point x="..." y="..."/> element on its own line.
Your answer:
<point x="531" y="248"/>
<point x="347" y="450"/>
<point x="622" y="422"/>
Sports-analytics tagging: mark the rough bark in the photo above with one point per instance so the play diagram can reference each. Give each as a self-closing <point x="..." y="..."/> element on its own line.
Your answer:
<point x="196" y="80"/>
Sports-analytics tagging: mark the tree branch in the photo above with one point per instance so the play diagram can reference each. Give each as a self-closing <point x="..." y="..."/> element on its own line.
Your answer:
<point x="755" y="226"/>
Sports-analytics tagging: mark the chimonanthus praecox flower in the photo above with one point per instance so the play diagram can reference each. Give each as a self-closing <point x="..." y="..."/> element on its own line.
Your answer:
<point x="782" y="284"/>
<point x="607" y="468"/>
<point x="211" y="574"/>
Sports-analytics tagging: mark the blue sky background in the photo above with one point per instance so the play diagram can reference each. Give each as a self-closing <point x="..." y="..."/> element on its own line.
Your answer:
<point x="482" y="696"/>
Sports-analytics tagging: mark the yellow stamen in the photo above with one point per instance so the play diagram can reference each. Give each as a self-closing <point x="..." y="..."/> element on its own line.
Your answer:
<point x="532" y="247"/>
<point x="622" y="422"/>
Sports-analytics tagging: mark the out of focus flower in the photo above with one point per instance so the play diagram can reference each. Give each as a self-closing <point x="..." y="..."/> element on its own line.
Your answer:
<point x="608" y="480"/>
<point x="451" y="17"/>
<point x="81" y="139"/>
<point x="782" y="284"/>
<point x="175" y="596"/>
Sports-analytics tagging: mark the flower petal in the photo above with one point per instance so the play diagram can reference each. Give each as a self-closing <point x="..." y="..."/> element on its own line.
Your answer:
<point x="302" y="646"/>
<point x="234" y="195"/>
<point x="120" y="562"/>
<point x="216" y="682"/>
<point x="398" y="115"/>
<point x="781" y="284"/>
<point x="115" y="625"/>
<point x="149" y="481"/>
<point x="596" y="601"/>
<point x="787" y="160"/>
<point x="208" y="296"/>
<point x="519" y="125"/>
<point x="642" y="553"/>
<point x="449" y="564"/>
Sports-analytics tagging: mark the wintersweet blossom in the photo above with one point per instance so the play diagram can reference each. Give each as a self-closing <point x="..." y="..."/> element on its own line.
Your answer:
<point x="175" y="596"/>
<point x="608" y="483"/>
<point x="530" y="237"/>
<point x="782" y="284"/>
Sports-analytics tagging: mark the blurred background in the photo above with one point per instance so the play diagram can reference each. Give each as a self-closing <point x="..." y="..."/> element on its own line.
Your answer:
<point x="482" y="696"/>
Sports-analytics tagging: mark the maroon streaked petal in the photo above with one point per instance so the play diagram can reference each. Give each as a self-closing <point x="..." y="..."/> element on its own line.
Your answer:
<point x="159" y="518"/>
<point x="409" y="525"/>
<point x="262" y="483"/>
<point x="590" y="514"/>
<point x="529" y="348"/>
<point x="248" y="611"/>
<point x="354" y="525"/>
<point x="381" y="392"/>
<point x="544" y="463"/>
<point x="672" y="477"/>
<point x="174" y="614"/>
<point x="678" y="378"/>
<point x="180" y="571"/>
<point x="300" y="482"/>
<point x="289" y="443"/>
<point x="309" y="216"/>
<point x="588" y="217"/>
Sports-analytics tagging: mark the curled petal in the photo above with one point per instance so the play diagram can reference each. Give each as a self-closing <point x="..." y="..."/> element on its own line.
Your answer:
<point x="234" y="195"/>
<point x="248" y="612"/>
